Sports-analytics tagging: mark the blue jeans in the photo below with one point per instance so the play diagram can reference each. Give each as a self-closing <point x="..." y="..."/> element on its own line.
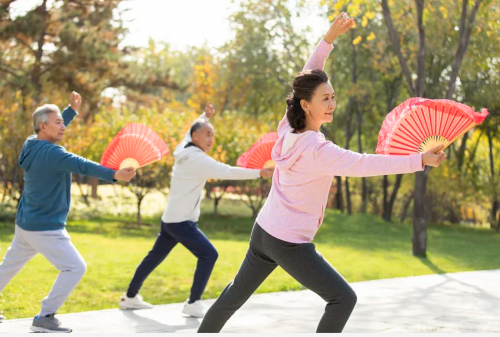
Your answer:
<point x="189" y="235"/>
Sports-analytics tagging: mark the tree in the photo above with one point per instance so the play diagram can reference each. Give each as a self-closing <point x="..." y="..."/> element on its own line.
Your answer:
<point x="254" y="193"/>
<point x="154" y="176"/>
<point x="235" y="133"/>
<point x="262" y="58"/>
<point x="417" y="87"/>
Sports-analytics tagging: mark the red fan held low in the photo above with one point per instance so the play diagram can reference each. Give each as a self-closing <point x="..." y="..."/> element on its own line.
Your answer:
<point x="135" y="146"/>
<point x="259" y="155"/>
<point x="420" y="124"/>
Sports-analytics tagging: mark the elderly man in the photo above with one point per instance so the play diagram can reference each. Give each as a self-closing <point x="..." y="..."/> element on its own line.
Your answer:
<point x="43" y="210"/>
<point x="179" y="223"/>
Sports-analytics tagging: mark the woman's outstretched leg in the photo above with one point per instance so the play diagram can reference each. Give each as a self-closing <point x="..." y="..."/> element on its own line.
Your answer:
<point x="255" y="268"/>
<point x="305" y="264"/>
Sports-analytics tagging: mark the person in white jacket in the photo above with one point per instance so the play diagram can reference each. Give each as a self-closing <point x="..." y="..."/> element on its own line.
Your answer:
<point x="179" y="223"/>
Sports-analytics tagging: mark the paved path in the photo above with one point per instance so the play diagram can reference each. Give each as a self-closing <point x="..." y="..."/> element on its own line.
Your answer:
<point x="459" y="302"/>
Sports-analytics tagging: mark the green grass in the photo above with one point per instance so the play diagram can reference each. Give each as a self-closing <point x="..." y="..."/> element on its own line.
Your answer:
<point x="361" y="247"/>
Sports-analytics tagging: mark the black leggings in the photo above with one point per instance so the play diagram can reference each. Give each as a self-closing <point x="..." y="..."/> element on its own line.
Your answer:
<point x="302" y="262"/>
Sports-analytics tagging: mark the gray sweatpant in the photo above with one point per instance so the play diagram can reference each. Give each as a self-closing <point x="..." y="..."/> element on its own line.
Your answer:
<point x="302" y="262"/>
<point x="56" y="246"/>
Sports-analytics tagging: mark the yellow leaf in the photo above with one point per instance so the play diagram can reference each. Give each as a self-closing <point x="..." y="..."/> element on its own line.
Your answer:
<point x="370" y="15"/>
<point x="338" y="5"/>
<point x="371" y="36"/>
<point x="364" y="22"/>
<point x="444" y="11"/>
<point x="353" y="10"/>
<point x="357" y="40"/>
<point x="479" y="29"/>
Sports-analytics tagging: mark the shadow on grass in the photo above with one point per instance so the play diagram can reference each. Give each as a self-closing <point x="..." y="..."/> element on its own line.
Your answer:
<point x="429" y="264"/>
<point x="475" y="249"/>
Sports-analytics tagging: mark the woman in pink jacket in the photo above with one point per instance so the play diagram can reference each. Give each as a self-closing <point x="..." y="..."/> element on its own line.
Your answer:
<point x="305" y="166"/>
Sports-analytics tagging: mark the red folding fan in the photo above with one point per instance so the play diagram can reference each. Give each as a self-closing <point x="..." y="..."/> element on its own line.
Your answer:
<point x="259" y="155"/>
<point x="135" y="146"/>
<point x="420" y="124"/>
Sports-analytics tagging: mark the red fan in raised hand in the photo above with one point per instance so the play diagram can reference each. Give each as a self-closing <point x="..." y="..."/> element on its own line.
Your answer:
<point x="135" y="146"/>
<point x="259" y="155"/>
<point x="420" y="124"/>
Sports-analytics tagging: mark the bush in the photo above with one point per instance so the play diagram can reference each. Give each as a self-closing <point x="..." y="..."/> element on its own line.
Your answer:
<point x="7" y="213"/>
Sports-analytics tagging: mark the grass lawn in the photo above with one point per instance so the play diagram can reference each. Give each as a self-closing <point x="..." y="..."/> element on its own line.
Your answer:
<point x="361" y="247"/>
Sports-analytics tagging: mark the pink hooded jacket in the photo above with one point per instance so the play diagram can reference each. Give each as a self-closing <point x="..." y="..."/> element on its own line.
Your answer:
<point x="305" y="169"/>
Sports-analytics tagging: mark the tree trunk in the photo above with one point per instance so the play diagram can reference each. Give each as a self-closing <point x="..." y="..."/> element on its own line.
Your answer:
<point x="419" y="221"/>
<point x="339" y="199"/>
<point x="94" y="183"/>
<point x="419" y="226"/>
<point x="405" y="208"/>
<point x="208" y="191"/>
<point x="364" y="194"/>
<point x="385" y="188"/>
<point x="461" y="151"/>
<point x="348" y="196"/>
<point x="139" y="217"/>
<point x="84" y="194"/>
<point x="422" y="50"/>
<point x="494" y="206"/>
<point x="216" y="206"/>
<point x="4" y="193"/>
<point x="389" y="204"/>
<point x="493" y="213"/>
<point x="255" y="212"/>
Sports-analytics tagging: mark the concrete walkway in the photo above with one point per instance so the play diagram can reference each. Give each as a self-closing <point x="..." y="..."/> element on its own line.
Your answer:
<point x="459" y="302"/>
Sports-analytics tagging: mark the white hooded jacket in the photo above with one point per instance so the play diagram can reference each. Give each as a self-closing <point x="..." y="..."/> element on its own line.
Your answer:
<point x="192" y="168"/>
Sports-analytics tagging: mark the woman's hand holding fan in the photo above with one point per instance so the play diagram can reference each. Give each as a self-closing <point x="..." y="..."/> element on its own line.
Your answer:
<point x="433" y="157"/>
<point x="424" y="125"/>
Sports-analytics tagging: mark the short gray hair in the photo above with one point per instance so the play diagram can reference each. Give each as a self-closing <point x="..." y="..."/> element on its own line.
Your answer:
<point x="41" y="115"/>
<point x="198" y="125"/>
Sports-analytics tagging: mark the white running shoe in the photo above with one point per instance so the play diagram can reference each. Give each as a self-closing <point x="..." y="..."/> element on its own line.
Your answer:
<point x="194" y="309"/>
<point x="134" y="302"/>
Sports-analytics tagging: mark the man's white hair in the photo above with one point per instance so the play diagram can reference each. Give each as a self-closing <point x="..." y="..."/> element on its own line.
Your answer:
<point x="198" y="125"/>
<point x="41" y="115"/>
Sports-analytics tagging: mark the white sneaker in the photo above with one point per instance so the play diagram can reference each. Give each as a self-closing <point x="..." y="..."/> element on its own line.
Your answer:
<point x="194" y="309"/>
<point x="134" y="302"/>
